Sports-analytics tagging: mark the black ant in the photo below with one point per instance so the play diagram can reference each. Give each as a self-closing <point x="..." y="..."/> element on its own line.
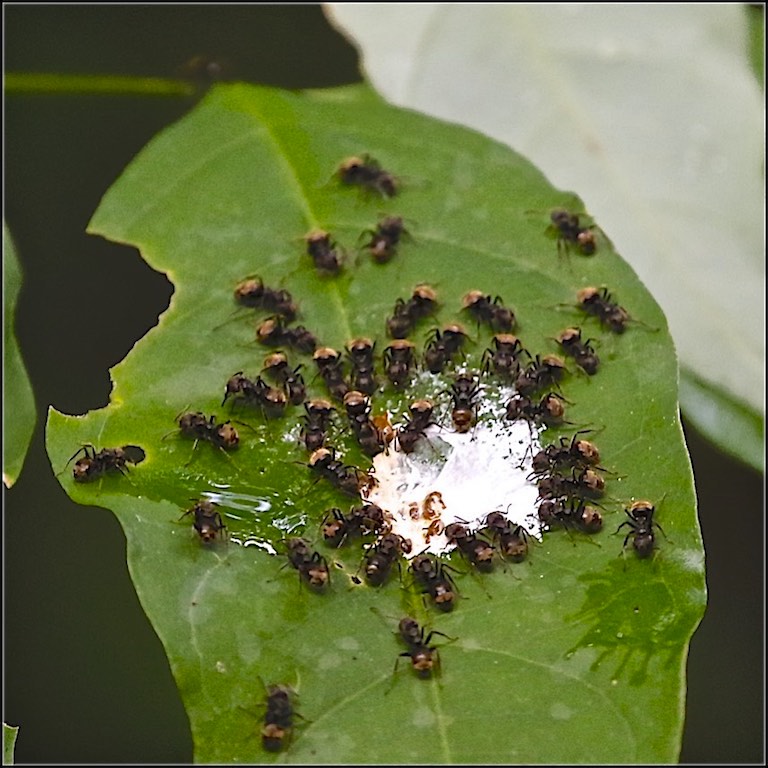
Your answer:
<point x="330" y="366"/>
<point x="94" y="464"/>
<point x="464" y="392"/>
<point x="641" y="524"/>
<point x="431" y="575"/>
<point x="277" y="368"/>
<point x="581" y="351"/>
<point x="399" y="361"/>
<point x="324" y="251"/>
<point x="316" y="423"/>
<point x="358" y="409"/>
<point x="406" y="314"/>
<point x="442" y="346"/>
<point x="273" y="333"/>
<point x="207" y="521"/>
<point x="540" y="373"/>
<point x="549" y="411"/>
<point x="586" y="484"/>
<point x="367" y="173"/>
<point x="278" y="719"/>
<point x="477" y="551"/>
<point x="362" y="520"/>
<point x="425" y="658"/>
<point x="503" y="358"/>
<point x="385" y="238"/>
<point x="490" y="311"/>
<point x="570" y="232"/>
<point x="252" y="293"/>
<point x="257" y="393"/>
<point x="198" y="427"/>
<point x="381" y="557"/>
<point x="570" y="512"/>
<point x="360" y="353"/>
<point x="311" y="565"/>
<point x="323" y="461"/>
<point x="600" y="304"/>
<point x="413" y="429"/>
<point x="578" y="453"/>
<point x="511" y="539"/>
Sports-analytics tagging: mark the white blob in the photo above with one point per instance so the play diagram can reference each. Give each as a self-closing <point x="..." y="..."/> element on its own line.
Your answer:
<point x="459" y="477"/>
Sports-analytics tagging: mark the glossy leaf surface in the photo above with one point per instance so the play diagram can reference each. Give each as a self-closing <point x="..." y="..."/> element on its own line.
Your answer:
<point x="578" y="654"/>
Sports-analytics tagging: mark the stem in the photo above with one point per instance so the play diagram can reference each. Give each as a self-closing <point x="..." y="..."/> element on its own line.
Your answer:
<point x="21" y="82"/>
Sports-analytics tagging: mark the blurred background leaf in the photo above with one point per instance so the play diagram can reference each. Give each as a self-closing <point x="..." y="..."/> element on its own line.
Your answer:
<point x="18" y="401"/>
<point x="634" y="107"/>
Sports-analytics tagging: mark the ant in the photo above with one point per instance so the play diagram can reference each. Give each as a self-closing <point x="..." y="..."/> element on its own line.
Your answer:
<point x="311" y="565"/>
<point x="431" y="574"/>
<point x="600" y="304"/>
<point x="367" y="433"/>
<point x="207" y="521"/>
<point x="278" y="719"/>
<point x="330" y="367"/>
<point x="587" y="484"/>
<point x="464" y="392"/>
<point x="581" y="351"/>
<point x="578" y="454"/>
<point x="277" y="368"/>
<point x="323" y="461"/>
<point x="252" y="293"/>
<point x="385" y="238"/>
<point x="549" y="411"/>
<point x="442" y="346"/>
<point x="379" y="561"/>
<point x="324" y="251"/>
<point x="570" y="512"/>
<point x="424" y="657"/>
<point x="503" y="358"/>
<point x="256" y="392"/>
<point x="316" y="423"/>
<point x="198" y="427"/>
<point x="399" y="360"/>
<point x="406" y="314"/>
<point x="540" y="373"/>
<point x="363" y="520"/>
<point x="641" y="524"/>
<point x="512" y="540"/>
<point x="490" y="311"/>
<point x="477" y="551"/>
<point x="367" y="173"/>
<point x="413" y="429"/>
<point x="360" y="353"/>
<point x="94" y="464"/>
<point x="273" y="333"/>
<point x="570" y="232"/>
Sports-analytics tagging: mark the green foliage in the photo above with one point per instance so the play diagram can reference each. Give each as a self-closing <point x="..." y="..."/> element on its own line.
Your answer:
<point x="18" y="400"/>
<point x="577" y="655"/>
<point x="10" y="733"/>
<point x="731" y="425"/>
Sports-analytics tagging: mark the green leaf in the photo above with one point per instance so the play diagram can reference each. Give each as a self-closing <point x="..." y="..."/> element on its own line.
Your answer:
<point x="10" y="732"/>
<point x="734" y="428"/>
<point x="578" y="654"/>
<point x="632" y="106"/>
<point x="18" y="401"/>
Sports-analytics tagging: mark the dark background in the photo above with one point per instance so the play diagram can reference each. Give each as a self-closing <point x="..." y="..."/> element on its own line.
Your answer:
<point x="79" y="652"/>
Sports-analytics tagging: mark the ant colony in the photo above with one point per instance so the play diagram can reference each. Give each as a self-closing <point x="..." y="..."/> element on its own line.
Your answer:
<point x="459" y="477"/>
